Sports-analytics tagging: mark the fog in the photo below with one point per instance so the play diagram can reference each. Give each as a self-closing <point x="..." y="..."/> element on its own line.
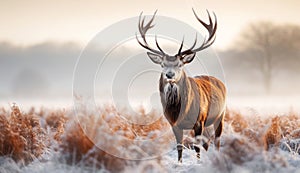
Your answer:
<point x="44" y="72"/>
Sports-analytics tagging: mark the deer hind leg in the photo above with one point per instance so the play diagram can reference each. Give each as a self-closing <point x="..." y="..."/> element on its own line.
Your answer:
<point x="178" y="135"/>
<point x="198" y="129"/>
<point x="218" y="126"/>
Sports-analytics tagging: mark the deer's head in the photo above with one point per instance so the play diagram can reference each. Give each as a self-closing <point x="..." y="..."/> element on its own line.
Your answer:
<point x="172" y="64"/>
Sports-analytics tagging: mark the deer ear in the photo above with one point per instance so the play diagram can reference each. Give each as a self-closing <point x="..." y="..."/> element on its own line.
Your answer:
<point x="188" y="58"/>
<point x="157" y="59"/>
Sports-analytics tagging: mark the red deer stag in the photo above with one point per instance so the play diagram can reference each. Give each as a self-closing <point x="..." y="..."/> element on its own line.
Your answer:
<point x="188" y="103"/>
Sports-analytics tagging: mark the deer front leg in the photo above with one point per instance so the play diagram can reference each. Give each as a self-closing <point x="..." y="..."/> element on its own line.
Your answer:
<point x="198" y="129"/>
<point x="178" y="135"/>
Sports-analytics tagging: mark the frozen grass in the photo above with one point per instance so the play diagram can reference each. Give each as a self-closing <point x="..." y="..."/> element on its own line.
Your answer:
<point x="57" y="141"/>
<point x="21" y="136"/>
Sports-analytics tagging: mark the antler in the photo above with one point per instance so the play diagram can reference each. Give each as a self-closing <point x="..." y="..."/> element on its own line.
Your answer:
<point x="143" y="30"/>
<point x="211" y="28"/>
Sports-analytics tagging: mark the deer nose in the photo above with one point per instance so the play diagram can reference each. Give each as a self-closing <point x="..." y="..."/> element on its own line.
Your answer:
<point x="170" y="75"/>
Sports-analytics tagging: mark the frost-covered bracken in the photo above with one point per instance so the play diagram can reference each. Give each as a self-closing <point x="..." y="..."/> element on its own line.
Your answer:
<point x="53" y="141"/>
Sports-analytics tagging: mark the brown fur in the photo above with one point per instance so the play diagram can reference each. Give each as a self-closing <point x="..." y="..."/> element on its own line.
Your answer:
<point x="200" y="103"/>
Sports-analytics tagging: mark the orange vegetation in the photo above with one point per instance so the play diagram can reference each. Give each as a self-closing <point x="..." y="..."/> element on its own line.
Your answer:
<point x="27" y="136"/>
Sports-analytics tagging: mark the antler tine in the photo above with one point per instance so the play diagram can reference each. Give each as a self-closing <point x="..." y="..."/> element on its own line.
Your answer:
<point x="190" y="49"/>
<point x="157" y="45"/>
<point x="143" y="30"/>
<point x="179" y="51"/>
<point x="195" y="42"/>
<point x="203" y="23"/>
<point x="211" y="28"/>
<point x="150" y="22"/>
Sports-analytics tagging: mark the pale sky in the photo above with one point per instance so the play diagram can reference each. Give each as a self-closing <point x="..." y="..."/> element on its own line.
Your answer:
<point x="35" y="21"/>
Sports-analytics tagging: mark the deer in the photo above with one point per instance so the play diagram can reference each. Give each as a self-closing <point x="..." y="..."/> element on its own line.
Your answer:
<point x="189" y="103"/>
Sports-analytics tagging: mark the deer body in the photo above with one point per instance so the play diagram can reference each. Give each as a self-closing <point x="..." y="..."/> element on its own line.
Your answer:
<point x="188" y="103"/>
<point x="195" y="100"/>
<point x="199" y="103"/>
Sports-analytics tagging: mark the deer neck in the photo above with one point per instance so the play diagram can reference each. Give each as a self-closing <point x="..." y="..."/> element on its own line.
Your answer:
<point x="174" y="97"/>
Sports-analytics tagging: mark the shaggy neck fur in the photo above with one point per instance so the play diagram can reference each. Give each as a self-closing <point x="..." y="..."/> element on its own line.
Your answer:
<point x="172" y="95"/>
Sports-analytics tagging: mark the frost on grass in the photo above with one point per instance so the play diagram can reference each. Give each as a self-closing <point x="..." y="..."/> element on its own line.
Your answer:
<point x="21" y="136"/>
<point x="105" y="141"/>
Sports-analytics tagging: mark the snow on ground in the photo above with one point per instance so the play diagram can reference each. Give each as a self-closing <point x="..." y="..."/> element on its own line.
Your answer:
<point x="211" y="161"/>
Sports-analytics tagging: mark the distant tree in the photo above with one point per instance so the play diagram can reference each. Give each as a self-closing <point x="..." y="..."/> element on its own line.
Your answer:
<point x="271" y="46"/>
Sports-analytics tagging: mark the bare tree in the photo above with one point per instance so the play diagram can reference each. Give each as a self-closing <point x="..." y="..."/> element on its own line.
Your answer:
<point x="270" y="46"/>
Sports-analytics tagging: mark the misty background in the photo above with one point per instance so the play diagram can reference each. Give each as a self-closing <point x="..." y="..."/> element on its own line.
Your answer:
<point x="258" y="46"/>
<point x="263" y="62"/>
